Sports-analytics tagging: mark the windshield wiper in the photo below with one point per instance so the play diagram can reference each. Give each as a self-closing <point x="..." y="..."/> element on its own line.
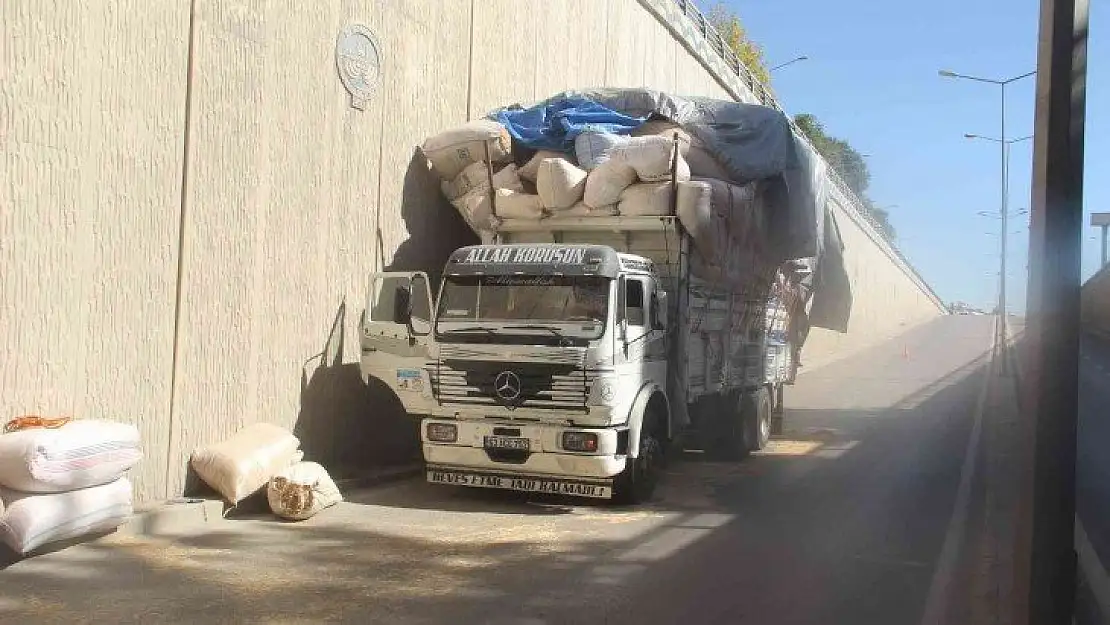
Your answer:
<point x="488" y="330"/>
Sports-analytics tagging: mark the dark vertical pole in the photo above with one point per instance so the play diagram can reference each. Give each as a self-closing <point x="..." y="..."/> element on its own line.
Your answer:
<point x="1045" y="562"/>
<point x="1103" y="263"/>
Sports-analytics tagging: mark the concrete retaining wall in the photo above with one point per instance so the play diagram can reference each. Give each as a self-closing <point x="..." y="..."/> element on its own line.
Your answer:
<point x="1095" y="302"/>
<point x="191" y="207"/>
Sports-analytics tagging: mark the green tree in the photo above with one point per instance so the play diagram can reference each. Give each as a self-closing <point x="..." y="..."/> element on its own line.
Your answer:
<point x="732" y="30"/>
<point x="849" y="163"/>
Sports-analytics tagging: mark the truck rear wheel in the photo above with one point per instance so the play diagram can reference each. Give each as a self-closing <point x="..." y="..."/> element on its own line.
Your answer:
<point x="778" y="412"/>
<point x="756" y="415"/>
<point x="636" y="484"/>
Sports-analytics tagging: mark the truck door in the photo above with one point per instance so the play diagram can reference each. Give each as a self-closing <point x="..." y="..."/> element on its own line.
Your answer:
<point x="395" y="332"/>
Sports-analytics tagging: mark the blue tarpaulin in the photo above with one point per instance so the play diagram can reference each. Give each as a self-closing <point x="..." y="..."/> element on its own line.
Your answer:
<point x="554" y="124"/>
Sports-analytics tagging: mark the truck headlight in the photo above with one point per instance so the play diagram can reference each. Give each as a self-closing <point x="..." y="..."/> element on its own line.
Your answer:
<point x="442" y="432"/>
<point x="579" y="441"/>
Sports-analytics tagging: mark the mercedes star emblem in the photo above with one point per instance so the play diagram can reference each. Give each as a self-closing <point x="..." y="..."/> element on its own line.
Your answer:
<point x="507" y="386"/>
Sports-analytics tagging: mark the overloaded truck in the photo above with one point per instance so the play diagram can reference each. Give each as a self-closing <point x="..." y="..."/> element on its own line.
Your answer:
<point x="634" y="293"/>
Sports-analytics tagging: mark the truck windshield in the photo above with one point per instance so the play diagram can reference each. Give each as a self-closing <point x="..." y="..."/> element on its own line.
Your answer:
<point x="572" y="305"/>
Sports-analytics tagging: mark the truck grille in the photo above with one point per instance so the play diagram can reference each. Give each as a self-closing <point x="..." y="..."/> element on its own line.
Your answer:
<point x="552" y="386"/>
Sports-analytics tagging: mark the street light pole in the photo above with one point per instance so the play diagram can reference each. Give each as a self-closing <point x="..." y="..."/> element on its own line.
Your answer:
<point x="1000" y="337"/>
<point x="791" y="61"/>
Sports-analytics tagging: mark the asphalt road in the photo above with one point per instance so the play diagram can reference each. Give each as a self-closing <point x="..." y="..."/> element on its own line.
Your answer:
<point x="840" y="521"/>
<point x="1092" y="460"/>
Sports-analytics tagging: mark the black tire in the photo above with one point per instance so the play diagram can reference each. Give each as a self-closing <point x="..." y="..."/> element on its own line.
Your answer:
<point x="756" y="414"/>
<point x="636" y="484"/>
<point x="730" y="438"/>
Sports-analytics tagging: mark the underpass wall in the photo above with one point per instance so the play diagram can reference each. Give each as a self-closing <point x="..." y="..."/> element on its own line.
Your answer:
<point x="191" y="206"/>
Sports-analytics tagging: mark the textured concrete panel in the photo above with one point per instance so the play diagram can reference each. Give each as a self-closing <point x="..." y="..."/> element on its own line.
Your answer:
<point x="505" y="48"/>
<point x="92" y="96"/>
<point x="570" y="41"/>
<point x="1095" y="302"/>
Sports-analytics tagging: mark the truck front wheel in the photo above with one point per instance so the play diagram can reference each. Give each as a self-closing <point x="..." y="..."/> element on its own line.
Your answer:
<point x="636" y="484"/>
<point x="756" y="413"/>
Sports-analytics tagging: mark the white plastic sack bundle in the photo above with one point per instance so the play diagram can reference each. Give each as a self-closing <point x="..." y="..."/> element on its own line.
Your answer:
<point x="605" y="184"/>
<point x="560" y="184"/>
<point x="475" y="178"/>
<point x="724" y="220"/>
<point x="513" y="205"/>
<point x="301" y="491"/>
<point x="529" y="170"/>
<point x="79" y="454"/>
<point x="34" y="520"/>
<point x="651" y="158"/>
<point x="698" y="158"/>
<point x="453" y="150"/>
<point x="647" y="198"/>
<point x="476" y="210"/>
<point x="593" y="148"/>
<point x="242" y="464"/>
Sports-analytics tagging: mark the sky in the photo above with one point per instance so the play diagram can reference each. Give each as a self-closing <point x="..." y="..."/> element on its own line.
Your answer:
<point x="871" y="78"/>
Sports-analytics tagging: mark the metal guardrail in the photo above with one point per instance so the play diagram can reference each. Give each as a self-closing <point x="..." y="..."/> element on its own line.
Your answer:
<point x="764" y="95"/>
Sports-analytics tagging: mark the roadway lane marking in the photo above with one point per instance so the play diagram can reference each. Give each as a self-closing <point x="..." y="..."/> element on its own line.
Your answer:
<point x="940" y="588"/>
<point x="1097" y="578"/>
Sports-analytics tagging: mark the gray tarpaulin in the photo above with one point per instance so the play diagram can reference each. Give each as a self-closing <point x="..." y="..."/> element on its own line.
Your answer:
<point x="754" y="142"/>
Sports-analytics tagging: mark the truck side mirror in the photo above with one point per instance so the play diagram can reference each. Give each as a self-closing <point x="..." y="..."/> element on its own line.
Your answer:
<point x="402" y="305"/>
<point x="623" y="330"/>
<point x="660" y="314"/>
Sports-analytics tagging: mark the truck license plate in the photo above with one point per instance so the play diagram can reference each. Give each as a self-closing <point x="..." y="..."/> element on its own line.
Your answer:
<point x="526" y="484"/>
<point x="508" y="442"/>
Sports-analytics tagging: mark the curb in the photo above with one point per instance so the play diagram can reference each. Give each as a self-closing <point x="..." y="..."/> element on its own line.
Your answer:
<point x="183" y="515"/>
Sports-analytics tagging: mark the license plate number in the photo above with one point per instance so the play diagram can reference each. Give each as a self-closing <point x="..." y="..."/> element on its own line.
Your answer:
<point x="526" y="484"/>
<point x="508" y="442"/>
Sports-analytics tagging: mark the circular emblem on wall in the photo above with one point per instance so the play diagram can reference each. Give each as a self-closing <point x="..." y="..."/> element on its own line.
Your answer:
<point x="358" y="59"/>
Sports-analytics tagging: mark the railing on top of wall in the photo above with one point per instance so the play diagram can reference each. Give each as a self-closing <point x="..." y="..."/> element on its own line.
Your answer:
<point x="765" y="97"/>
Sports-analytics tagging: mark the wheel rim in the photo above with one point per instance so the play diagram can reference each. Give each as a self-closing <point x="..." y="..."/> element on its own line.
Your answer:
<point x="764" y="424"/>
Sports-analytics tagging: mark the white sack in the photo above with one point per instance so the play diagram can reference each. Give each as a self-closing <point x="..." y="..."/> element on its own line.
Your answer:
<point x="453" y="150"/>
<point x="702" y="162"/>
<point x="301" y="491"/>
<point x="476" y="178"/>
<point x="605" y="184"/>
<point x="593" y="148"/>
<point x="651" y="158"/>
<point x="514" y="205"/>
<point x="647" y="198"/>
<point x="80" y="454"/>
<point x="476" y="210"/>
<point x="239" y="466"/>
<point x="581" y="210"/>
<point x="32" y="521"/>
<point x="529" y="170"/>
<point x="724" y="221"/>
<point x="560" y="184"/>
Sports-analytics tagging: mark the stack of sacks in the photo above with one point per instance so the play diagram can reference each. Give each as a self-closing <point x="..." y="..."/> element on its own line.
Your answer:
<point x="612" y="174"/>
<point x="65" y="480"/>
<point x="243" y="464"/>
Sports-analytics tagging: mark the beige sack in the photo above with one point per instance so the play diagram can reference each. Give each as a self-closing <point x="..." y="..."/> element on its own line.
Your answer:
<point x="560" y="184"/>
<point x="646" y="198"/>
<point x="699" y="159"/>
<point x="651" y="158"/>
<point x="605" y="184"/>
<point x="581" y="210"/>
<point x="242" y="464"/>
<point x="475" y="178"/>
<point x="476" y="211"/>
<point x="532" y="167"/>
<point x="513" y="205"/>
<point x="301" y="491"/>
<point x="453" y="150"/>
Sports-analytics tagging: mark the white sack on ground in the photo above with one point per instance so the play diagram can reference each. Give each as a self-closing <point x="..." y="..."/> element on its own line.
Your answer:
<point x="647" y="198"/>
<point x="529" y="170"/>
<point x="593" y="148"/>
<point x="34" y="520"/>
<point x="301" y="491"/>
<point x="560" y="184"/>
<point x="698" y="158"/>
<point x="605" y="184"/>
<point x="242" y="464"/>
<point x="80" y="454"/>
<point x="651" y="158"/>
<point x="476" y="178"/>
<point x="513" y="205"/>
<point x="453" y="150"/>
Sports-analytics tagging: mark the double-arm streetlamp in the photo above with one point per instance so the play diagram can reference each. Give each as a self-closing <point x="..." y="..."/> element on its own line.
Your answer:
<point x="1005" y="144"/>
